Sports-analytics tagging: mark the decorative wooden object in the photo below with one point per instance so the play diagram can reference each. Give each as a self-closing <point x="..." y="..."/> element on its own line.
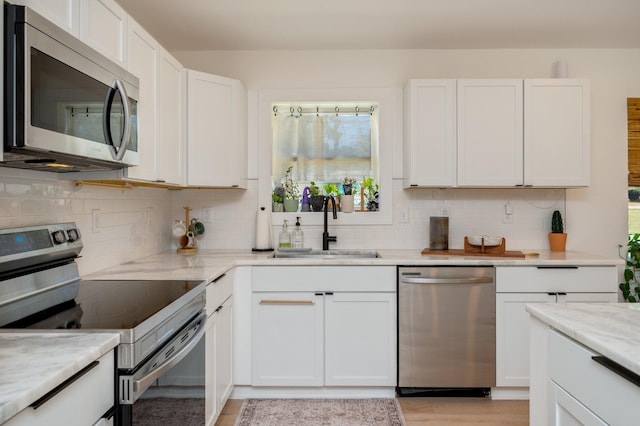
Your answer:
<point x="484" y="249"/>
<point x="187" y="250"/>
<point x="471" y="250"/>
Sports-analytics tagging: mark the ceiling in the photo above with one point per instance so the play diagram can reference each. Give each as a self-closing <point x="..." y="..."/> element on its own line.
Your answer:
<point x="387" y="24"/>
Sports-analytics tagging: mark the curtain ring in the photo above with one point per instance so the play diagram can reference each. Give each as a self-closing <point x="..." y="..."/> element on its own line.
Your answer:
<point x="357" y="110"/>
<point x="275" y="111"/>
<point x="300" y="110"/>
<point x="372" y="109"/>
<point x="337" y="111"/>
<point x="317" y="111"/>
<point x="292" y="110"/>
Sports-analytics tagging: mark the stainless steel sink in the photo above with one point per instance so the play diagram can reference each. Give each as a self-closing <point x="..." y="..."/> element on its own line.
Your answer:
<point x="328" y="254"/>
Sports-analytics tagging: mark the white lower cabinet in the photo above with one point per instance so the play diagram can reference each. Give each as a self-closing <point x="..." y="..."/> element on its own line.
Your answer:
<point x="218" y="347"/>
<point x="84" y="399"/>
<point x="341" y="334"/>
<point x="517" y="286"/>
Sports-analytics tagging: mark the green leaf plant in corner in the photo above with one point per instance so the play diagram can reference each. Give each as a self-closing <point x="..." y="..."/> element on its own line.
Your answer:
<point x="631" y="287"/>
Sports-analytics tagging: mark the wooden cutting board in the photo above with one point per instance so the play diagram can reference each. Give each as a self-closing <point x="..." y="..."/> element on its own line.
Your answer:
<point x="461" y="252"/>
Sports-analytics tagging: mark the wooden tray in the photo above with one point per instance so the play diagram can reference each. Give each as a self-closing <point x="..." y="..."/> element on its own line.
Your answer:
<point x="461" y="252"/>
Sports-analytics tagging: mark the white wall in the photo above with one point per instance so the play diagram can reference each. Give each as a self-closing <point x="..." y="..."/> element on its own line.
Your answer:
<point x="595" y="217"/>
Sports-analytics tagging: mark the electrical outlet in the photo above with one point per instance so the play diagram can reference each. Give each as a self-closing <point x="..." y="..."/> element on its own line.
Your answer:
<point x="95" y="220"/>
<point x="207" y="215"/>
<point x="507" y="214"/>
<point x="403" y="215"/>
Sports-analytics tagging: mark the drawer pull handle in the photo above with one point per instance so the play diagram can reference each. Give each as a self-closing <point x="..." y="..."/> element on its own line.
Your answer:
<point x="557" y="267"/>
<point x="621" y="371"/>
<point x="285" y="302"/>
<point x="62" y="386"/>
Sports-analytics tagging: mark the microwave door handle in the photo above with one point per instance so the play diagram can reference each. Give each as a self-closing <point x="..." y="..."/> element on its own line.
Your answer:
<point x="116" y="153"/>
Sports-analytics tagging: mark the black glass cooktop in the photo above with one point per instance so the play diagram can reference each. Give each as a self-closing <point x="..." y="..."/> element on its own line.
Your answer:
<point x="110" y="305"/>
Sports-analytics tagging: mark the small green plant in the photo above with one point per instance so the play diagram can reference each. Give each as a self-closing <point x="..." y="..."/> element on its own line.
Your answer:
<point x="630" y="287"/>
<point x="331" y="189"/>
<point x="278" y="194"/>
<point x="276" y="198"/>
<point x="313" y="189"/>
<point x="348" y="185"/>
<point x="370" y="188"/>
<point x="556" y="223"/>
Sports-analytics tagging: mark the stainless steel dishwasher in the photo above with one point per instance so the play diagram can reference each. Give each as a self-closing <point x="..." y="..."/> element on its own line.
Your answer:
<point x="446" y="329"/>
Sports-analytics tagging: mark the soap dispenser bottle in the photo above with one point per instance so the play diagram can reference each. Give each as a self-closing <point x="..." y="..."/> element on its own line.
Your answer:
<point x="297" y="236"/>
<point x="285" y="236"/>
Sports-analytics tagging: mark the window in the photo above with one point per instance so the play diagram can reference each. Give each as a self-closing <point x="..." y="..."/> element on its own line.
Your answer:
<point x="324" y="142"/>
<point x="633" y="150"/>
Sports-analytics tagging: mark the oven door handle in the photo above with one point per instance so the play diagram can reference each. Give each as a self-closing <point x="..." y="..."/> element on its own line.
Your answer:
<point x="141" y="384"/>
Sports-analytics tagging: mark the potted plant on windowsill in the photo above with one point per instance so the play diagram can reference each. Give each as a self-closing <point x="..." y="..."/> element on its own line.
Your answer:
<point x="370" y="191"/>
<point x="557" y="236"/>
<point x="316" y="199"/>
<point x="278" y="199"/>
<point x="346" y="201"/>
<point x="291" y="192"/>
<point x="332" y="189"/>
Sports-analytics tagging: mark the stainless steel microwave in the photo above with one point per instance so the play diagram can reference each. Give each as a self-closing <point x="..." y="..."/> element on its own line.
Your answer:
<point x="67" y="107"/>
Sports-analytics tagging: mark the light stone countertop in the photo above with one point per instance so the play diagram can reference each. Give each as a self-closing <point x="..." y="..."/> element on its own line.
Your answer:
<point x="210" y="264"/>
<point x="32" y="364"/>
<point x="611" y="329"/>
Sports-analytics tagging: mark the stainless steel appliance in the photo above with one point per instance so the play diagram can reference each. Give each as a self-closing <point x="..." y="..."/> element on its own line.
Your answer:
<point x="159" y="322"/>
<point x="67" y="108"/>
<point x="446" y="329"/>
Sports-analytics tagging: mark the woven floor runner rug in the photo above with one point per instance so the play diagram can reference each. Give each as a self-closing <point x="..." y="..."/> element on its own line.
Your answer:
<point x="320" y="412"/>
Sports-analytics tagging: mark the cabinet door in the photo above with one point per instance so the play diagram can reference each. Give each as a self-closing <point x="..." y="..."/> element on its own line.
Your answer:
<point x="556" y="138"/>
<point x="490" y="133"/>
<point x="103" y="26"/>
<point x="568" y="411"/>
<point x="170" y="132"/>
<point x="360" y="339"/>
<point x="211" y="402"/>
<point x="216" y="132"/>
<point x="143" y="52"/>
<point x="287" y="339"/>
<point x="63" y="13"/>
<point x="223" y="354"/>
<point x="512" y="336"/>
<point x="430" y="133"/>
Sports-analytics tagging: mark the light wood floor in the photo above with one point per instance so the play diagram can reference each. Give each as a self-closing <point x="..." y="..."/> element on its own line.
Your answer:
<point x="437" y="412"/>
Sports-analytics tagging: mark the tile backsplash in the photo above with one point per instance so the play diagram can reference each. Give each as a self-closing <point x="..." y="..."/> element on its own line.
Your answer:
<point x="118" y="225"/>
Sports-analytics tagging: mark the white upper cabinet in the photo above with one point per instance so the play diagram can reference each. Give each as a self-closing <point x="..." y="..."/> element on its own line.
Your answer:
<point x="490" y="133"/>
<point x="103" y="26"/>
<point x="160" y="111"/>
<point x="216" y="131"/>
<point x="63" y="13"/>
<point x="430" y="133"/>
<point x="502" y="133"/>
<point x="556" y="133"/>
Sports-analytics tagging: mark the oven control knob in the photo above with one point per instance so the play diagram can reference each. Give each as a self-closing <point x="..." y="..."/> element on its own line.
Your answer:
<point x="73" y="235"/>
<point x="58" y="237"/>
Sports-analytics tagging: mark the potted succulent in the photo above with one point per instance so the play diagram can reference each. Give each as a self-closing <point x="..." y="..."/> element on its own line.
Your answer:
<point x="631" y="287"/>
<point x="346" y="201"/>
<point x="370" y="190"/>
<point x="557" y="236"/>
<point x="291" y="192"/>
<point x="278" y="199"/>
<point x="316" y="199"/>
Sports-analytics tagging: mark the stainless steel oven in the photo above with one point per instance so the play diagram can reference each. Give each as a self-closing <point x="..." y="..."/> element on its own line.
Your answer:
<point x="67" y="108"/>
<point x="161" y="323"/>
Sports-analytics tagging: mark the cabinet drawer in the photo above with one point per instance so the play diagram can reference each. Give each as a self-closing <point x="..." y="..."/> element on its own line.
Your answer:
<point x="604" y="392"/>
<point x="81" y="403"/>
<point x="532" y="279"/>
<point x="324" y="278"/>
<point x="218" y="291"/>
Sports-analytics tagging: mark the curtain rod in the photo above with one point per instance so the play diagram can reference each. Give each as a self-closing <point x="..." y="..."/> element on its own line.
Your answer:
<point x="323" y="110"/>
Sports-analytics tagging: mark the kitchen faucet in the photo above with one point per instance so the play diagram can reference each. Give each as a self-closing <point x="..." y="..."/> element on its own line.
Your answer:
<point x="326" y="238"/>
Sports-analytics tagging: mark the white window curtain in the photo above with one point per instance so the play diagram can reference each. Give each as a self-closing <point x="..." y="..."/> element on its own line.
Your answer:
<point x="324" y="147"/>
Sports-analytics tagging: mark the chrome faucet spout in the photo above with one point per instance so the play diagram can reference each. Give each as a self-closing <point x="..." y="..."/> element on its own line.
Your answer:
<point x="326" y="238"/>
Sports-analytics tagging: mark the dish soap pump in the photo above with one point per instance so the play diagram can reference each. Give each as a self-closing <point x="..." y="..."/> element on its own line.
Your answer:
<point x="297" y="236"/>
<point x="285" y="236"/>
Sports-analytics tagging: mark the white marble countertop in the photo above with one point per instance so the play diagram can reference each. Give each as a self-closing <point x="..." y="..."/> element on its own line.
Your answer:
<point x="611" y="329"/>
<point x="209" y="264"/>
<point x="32" y="364"/>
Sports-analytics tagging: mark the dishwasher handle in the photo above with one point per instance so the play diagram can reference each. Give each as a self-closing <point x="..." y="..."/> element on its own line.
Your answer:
<point x="467" y="280"/>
